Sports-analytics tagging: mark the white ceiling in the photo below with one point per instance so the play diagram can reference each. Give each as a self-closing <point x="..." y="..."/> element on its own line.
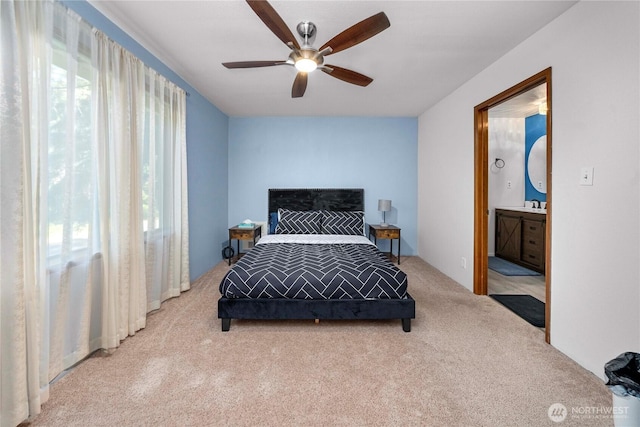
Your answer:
<point x="431" y="48"/>
<point x="524" y="105"/>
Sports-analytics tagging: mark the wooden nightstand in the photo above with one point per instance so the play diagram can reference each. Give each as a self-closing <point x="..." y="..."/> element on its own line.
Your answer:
<point x="243" y="233"/>
<point x="390" y="232"/>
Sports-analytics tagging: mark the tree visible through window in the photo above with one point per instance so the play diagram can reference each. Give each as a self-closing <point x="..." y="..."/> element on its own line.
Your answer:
<point x="70" y="193"/>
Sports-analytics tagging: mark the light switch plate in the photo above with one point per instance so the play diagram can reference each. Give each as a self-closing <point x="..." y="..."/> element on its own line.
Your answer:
<point x="586" y="175"/>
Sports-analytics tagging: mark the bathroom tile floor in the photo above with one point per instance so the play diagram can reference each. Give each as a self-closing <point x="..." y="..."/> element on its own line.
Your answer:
<point x="529" y="285"/>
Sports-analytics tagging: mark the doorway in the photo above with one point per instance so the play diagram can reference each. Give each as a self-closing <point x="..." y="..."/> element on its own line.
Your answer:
<point x="481" y="187"/>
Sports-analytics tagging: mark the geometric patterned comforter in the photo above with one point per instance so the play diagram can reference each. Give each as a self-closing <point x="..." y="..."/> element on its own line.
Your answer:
<point x="314" y="271"/>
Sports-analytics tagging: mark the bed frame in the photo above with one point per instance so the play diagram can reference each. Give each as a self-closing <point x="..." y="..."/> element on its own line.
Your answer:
<point x="290" y="309"/>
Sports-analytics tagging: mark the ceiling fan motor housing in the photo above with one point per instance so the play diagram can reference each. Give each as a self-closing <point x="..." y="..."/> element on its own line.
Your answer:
<point x="312" y="54"/>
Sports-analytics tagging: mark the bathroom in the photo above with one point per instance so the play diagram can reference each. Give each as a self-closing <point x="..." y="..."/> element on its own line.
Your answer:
<point x="518" y="189"/>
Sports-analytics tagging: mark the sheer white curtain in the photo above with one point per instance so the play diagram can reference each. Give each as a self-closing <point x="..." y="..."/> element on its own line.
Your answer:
<point x="22" y="80"/>
<point x="141" y="136"/>
<point x="94" y="199"/>
<point x="120" y="87"/>
<point x="164" y="190"/>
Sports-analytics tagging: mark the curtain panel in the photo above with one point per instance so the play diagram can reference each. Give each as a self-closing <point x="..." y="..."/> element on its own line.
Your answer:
<point x="93" y="183"/>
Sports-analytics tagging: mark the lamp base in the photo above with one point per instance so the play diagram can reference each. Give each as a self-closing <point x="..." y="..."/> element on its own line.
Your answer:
<point x="384" y="224"/>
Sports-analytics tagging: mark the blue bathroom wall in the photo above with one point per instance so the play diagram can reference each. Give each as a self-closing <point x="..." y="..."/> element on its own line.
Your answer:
<point x="207" y="152"/>
<point x="534" y="127"/>
<point x="378" y="154"/>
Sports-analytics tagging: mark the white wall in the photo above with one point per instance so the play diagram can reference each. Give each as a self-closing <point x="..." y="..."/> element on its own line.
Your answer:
<point x="595" y="295"/>
<point x="506" y="141"/>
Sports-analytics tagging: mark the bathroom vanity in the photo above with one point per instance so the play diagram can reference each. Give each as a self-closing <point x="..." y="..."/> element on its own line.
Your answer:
<point x="520" y="236"/>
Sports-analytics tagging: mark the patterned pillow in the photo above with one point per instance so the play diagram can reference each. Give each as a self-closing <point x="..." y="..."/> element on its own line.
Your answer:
<point x="298" y="222"/>
<point x="343" y="222"/>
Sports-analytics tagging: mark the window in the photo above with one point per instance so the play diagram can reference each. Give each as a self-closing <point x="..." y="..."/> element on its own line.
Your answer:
<point x="91" y="157"/>
<point x="69" y="165"/>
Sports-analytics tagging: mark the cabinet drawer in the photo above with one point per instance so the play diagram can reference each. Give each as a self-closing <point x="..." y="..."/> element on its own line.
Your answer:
<point x="242" y="234"/>
<point x="532" y="243"/>
<point x="387" y="234"/>
<point x="532" y="228"/>
<point x="533" y="257"/>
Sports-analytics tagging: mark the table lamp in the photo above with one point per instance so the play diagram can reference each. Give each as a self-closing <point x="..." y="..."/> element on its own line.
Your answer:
<point x="384" y="206"/>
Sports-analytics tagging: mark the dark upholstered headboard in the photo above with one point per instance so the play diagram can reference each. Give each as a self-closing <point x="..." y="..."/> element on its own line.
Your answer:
<point x="312" y="199"/>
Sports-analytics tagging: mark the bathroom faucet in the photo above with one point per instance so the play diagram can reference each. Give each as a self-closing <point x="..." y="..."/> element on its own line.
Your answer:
<point x="533" y="203"/>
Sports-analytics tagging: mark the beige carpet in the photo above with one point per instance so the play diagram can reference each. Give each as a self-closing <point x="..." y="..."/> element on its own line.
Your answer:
<point x="467" y="362"/>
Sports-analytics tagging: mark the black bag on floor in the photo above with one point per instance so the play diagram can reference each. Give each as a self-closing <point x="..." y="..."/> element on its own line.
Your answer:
<point x="624" y="374"/>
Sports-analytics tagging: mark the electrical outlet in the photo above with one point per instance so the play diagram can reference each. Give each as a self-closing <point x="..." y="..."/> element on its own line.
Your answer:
<point x="463" y="263"/>
<point x="509" y="185"/>
<point x="539" y="185"/>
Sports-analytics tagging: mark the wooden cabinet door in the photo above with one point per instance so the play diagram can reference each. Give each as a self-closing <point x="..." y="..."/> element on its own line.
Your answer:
<point x="508" y="236"/>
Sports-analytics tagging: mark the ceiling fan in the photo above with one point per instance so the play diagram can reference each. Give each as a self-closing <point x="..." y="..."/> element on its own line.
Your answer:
<point x="306" y="58"/>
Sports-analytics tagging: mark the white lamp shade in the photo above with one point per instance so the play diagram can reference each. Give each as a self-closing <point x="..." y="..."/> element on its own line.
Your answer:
<point x="384" y="205"/>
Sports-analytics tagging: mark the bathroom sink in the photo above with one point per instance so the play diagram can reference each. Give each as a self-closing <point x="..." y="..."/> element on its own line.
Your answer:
<point x="523" y="209"/>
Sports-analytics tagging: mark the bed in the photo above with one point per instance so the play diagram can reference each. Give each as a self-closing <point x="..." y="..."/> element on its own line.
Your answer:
<point x="315" y="263"/>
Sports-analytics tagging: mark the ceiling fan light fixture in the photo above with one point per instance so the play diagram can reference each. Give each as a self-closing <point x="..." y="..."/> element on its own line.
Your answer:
<point x="306" y="65"/>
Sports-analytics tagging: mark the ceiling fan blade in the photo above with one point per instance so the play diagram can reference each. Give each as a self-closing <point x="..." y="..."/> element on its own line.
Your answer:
<point x="346" y="75"/>
<point x="299" y="85"/>
<point x="252" y="64"/>
<point x="273" y="21"/>
<point x="358" y="33"/>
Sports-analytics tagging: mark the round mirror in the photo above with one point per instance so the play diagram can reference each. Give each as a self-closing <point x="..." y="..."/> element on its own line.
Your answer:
<point x="537" y="164"/>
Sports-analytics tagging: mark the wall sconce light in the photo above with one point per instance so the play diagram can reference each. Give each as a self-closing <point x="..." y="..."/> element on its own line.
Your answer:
<point x="542" y="108"/>
<point x="384" y="206"/>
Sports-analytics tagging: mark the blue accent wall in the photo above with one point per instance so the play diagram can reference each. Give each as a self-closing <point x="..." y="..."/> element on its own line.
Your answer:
<point x="207" y="152"/>
<point x="534" y="127"/>
<point x="374" y="153"/>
